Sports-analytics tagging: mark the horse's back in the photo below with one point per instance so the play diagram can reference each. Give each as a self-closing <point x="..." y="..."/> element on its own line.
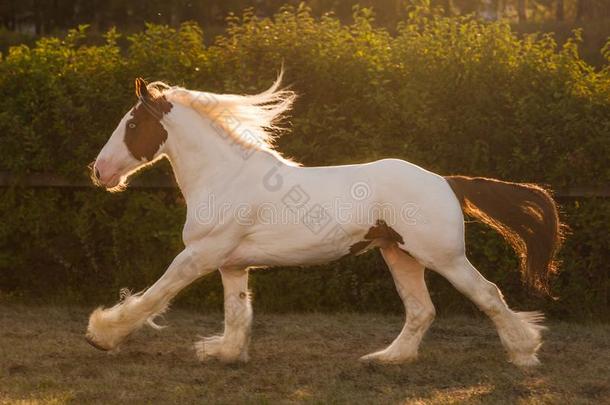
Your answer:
<point x="416" y="203"/>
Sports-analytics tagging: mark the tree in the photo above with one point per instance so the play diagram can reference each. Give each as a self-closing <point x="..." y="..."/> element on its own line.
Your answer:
<point x="559" y="10"/>
<point x="521" y="7"/>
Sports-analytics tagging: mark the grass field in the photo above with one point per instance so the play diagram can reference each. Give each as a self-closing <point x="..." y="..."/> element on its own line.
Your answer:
<point x="294" y="358"/>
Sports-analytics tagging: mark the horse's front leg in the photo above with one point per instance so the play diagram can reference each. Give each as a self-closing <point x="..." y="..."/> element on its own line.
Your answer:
<point x="232" y="345"/>
<point x="109" y="327"/>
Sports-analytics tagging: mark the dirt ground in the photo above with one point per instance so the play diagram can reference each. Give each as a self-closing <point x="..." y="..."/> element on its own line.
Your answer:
<point x="310" y="358"/>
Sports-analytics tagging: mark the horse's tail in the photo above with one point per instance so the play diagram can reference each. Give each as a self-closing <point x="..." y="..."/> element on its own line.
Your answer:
<point x="524" y="214"/>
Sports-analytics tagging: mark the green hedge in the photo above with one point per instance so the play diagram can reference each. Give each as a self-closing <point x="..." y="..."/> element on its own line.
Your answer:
<point x="452" y="94"/>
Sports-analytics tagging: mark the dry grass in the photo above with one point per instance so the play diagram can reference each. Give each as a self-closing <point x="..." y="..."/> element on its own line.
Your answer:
<point x="295" y="358"/>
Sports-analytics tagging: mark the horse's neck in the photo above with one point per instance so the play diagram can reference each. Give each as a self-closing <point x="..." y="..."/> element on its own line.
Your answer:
<point x="203" y="159"/>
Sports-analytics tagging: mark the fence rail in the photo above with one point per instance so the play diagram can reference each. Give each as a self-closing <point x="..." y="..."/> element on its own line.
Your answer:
<point x="50" y="180"/>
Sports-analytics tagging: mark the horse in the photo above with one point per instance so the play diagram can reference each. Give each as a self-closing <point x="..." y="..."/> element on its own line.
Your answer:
<point x="250" y="207"/>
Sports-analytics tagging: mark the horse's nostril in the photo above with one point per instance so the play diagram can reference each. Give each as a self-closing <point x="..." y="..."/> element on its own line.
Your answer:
<point x="97" y="173"/>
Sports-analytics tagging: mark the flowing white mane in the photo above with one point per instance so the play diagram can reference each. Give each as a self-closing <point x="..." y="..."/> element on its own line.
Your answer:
<point x="250" y="120"/>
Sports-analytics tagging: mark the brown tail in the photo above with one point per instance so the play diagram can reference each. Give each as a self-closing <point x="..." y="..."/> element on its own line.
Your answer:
<point x="524" y="214"/>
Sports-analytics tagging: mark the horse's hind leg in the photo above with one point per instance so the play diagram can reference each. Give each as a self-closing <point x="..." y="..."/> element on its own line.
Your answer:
<point x="232" y="345"/>
<point x="408" y="275"/>
<point x="519" y="331"/>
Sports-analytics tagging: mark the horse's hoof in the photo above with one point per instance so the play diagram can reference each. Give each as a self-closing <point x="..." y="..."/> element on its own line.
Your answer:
<point x="212" y="348"/>
<point x="94" y="344"/>
<point x="525" y="361"/>
<point x="383" y="357"/>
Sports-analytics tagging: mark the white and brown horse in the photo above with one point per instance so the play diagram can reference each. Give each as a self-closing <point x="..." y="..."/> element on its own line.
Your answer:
<point x="247" y="206"/>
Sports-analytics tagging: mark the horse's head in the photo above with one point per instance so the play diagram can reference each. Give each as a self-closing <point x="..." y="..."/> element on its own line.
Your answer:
<point x="138" y="139"/>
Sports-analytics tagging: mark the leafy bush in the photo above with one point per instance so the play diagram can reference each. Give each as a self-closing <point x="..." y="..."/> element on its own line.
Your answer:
<point x="454" y="95"/>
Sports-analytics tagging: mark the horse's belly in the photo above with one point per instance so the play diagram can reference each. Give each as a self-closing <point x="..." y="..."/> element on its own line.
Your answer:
<point x="291" y="252"/>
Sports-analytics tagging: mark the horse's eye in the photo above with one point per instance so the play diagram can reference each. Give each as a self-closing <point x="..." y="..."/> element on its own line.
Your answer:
<point x="131" y="125"/>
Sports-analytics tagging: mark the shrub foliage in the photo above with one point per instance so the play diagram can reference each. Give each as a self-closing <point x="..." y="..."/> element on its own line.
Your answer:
<point x="454" y="95"/>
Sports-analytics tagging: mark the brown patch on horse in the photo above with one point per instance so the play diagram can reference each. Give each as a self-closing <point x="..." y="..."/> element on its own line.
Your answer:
<point x="383" y="231"/>
<point x="524" y="214"/>
<point x="359" y="247"/>
<point x="380" y="232"/>
<point x="144" y="133"/>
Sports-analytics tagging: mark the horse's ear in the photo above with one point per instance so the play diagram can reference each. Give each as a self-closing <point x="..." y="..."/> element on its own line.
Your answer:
<point x="141" y="90"/>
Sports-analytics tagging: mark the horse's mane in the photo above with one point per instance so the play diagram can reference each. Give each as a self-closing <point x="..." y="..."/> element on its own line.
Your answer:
<point x="251" y="120"/>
